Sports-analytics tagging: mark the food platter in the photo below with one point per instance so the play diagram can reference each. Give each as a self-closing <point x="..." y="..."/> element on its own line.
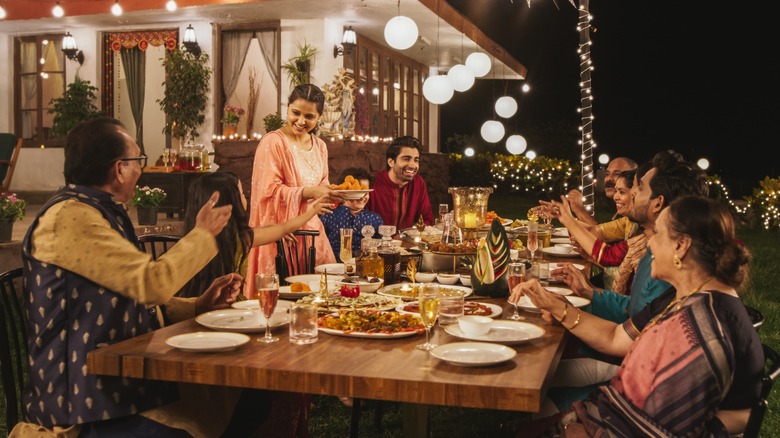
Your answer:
<point x="370" y="324"/>
<point x="526" y="303"/>
<point x="405" y="292"/>
<point x="353" y="194"/>
<point x="365" y="301"/>
<point x="469" y="308"/>
<point x="473" y="354"/>
<point x="286" y="294"/>
<point x="240" y="320"/>
<point x="502" y="332"/>
<point x="207" y="342"/>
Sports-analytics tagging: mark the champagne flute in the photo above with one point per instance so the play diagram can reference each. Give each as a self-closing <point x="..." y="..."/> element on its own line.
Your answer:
<point x="267" y="294"/>
<point x="515" y="275"/>
<point x="429" y="310"/>
<point x="345" y="250"/>
<point x="533" y="239"/>
<point x="166" y="155"/>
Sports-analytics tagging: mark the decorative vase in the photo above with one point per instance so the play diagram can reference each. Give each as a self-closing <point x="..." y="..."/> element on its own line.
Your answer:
<point x="6" y="229"/>
<point x="147" y="215"/>
<point x="229" y="129"/>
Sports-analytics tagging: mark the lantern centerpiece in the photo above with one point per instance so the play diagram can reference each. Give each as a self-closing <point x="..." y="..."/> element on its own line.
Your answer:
<point x="470" y="208"/>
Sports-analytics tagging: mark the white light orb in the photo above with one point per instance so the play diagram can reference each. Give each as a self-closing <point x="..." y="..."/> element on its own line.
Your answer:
<point x="438" y="89"/>
<point x="469" y="152"/>
<point x="462" y="77"/>
<point x="171" y="5"/>
<point x="516" y="144"/>
<point x="492" y="131"/>
<point x="479" y="63"/>
<point x="401" y="32"/>
<point x="506" y="106"/>
<point x="2" y="13"/>
<point x="703" y="163"/>
<point x="57" y="11"/>
<point x="526" y="88"/>
<point x="116" y="9"/>
<point x="603" y="158"/>
<point x="530" y="155"/>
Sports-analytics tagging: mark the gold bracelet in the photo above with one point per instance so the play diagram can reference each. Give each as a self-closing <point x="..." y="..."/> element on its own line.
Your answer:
<point x="577" y="321"/>
<point x="565" y="310"/>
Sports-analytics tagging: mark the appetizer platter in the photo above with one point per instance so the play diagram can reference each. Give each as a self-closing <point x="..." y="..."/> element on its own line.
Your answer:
<point x="370" y="324"/>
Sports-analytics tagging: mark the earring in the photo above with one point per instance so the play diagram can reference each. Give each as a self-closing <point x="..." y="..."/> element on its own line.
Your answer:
<point x="677" y="262"/>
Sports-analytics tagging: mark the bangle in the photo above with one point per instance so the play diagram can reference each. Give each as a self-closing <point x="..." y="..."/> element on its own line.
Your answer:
<point x="577" y="321"/>
<point x="565" y="311"/>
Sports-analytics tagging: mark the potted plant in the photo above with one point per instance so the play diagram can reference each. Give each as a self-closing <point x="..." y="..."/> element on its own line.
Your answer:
<point x="232" y="115"/>
<point x="11" y="210"/>
<point x="186" y="93"/>
<point x="272" y="122"/>
<point x="146" y="200"/>
<point x="73" y="107"/>
<point x="298" y="68"/>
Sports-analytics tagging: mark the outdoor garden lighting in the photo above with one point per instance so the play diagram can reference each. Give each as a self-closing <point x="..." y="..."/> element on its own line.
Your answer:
<point x="348" y="43"/>
<point x="506" y="106"/>
<point x="516" y="144"/>
<point x="70" y="49"/>
<point x="492" y="131"/>
<point x="438" y="89"/>
<point x="462" y="77"/>
<point x="478" y="63"/>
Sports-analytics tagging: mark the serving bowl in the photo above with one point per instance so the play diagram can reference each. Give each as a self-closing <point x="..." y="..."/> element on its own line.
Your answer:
<point x="425" y="277"/>
<point x="465" y="279"/>
<point x="365" y="285"/>
<point x="447" y="278"/>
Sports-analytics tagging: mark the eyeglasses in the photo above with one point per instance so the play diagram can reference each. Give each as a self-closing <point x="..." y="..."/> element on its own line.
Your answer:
<point x="141" y="160"/>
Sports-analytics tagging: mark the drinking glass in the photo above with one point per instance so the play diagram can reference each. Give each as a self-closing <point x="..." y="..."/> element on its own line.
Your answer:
<point x="429" y="310"/>
<point x="345" y="251"/>
<point x="515" y="275"/>
<point x="533" y="238"/>
<point x="174" y="155"/>
<point x="443" y="208"/>
<point x="267" y="294"/>
<point x="166" y="155"/>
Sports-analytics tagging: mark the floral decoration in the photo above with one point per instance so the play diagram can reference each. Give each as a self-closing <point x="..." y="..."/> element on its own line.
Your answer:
<point x="232" y="114"/>
<point x="11" y="207"/>
<point x="146" y="197"/>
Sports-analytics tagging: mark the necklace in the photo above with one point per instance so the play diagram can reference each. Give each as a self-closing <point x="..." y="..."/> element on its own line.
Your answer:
<point x="679" y="302"/>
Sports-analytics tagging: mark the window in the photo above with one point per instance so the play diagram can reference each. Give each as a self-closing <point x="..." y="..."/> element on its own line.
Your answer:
<point x="39" y="78"/>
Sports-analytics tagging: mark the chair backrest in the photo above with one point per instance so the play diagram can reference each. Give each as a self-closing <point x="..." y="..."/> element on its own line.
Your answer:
<point x="296" y="258"/>
<point x="156" y="244"/>
<point x="755" y="316"/>
<point x="10" y="145"/>
<point x="13" y="345"/>
<point x="757" y="413"/>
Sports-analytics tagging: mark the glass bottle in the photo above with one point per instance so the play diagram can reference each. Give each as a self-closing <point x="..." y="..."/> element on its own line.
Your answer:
<point x="373" y="264"/>
<point x="365" y="245"/>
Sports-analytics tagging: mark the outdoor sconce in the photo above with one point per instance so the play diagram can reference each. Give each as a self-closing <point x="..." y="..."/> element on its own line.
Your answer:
<point x="70" y="50"/>
<point x="348" y="43"/>
<point x="190" y="41"/>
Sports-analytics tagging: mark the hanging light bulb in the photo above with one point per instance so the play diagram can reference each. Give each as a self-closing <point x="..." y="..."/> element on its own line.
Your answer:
<point x="462" y="77"/>
<point x="530" y="155"/>
<point x="516" y="144"/>
<point x="171" y="5"/>
<point x="469" y="152"/>
<point x="506" y="106"/>
<point x="116" y="9"/>
<point x="2" y="13"/>
<point x="479" y="63"/>
<point x="401" y="32"/>
<point x="438" y="89"/>
<point x="492" y="131"/>
<point x="57" y="11"/>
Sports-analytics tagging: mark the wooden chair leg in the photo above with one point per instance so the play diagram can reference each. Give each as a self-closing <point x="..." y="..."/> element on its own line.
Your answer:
<point x="378" y="416"/>
<point x="354" y="426"/>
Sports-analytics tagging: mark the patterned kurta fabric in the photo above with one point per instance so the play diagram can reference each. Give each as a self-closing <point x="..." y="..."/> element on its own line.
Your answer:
<point x="400" y="206"/>
<point x="343" y="218"/>
<point x="69" y="316"/>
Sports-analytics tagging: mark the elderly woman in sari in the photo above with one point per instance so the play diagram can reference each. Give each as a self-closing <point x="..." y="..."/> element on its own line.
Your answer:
<point x="692" y="359"/>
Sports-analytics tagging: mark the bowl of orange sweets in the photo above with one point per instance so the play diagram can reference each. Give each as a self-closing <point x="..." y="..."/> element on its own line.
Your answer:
<point x="351" y="188"/>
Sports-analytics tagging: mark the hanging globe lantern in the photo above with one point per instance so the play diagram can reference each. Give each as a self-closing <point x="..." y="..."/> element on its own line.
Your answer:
<point x="478" y="63"/>
<point x="516" y="144"/>
<point x="492" y="131"/>
<point x="401" y="32"/>
<point x="530" y="155"/>
<point x="506" y="106"/>
<point x="438" y="89"/>
<point x="462" y="77"/>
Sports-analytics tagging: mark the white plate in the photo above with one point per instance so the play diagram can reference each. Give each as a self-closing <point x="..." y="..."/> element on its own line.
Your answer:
<point x="502" y="332"/>
<point x="281" y="306"/>
<point x="494" y="309"/>
<point x="333" y="268"/>
<point x="473" y="354"/>
<point x="313" y="278"/>
<point x="368" y="335"/>
<point x="561" y="232"/>
<point x="365" y="286"/>
<point x="555" y="265"/>
<point x="207" y="342"/>
<point x="551" y="250"/>
<point x="285" y="294"/>
<point x="559" y="290"/>
<point x="240" y="320"/>
<point x="353" y="194"/>
<point x="392" y="291"/>
<point x="526" y="304"/>
<point x="555" y="240"/>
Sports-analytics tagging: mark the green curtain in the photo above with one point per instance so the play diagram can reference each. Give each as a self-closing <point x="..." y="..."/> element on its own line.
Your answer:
<point x="134" y="66"/>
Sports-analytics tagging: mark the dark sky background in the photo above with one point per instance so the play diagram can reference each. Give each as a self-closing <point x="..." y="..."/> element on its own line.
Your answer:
<point x="693" y="76"/>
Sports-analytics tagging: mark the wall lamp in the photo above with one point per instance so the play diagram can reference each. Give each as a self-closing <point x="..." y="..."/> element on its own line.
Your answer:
<point x="190" y="41"/>
<point x="70" y="50"/>
<point x="348" y="43"/>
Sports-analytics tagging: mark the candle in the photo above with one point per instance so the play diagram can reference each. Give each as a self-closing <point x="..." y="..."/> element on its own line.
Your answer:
<point x="470" y="220"/>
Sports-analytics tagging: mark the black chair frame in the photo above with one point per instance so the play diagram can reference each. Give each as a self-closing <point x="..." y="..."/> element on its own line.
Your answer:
<point x="757" y="413"/>
<point x="287" y="263"/>
<point x="13" y="345"/>
<point x="156" y="244"/>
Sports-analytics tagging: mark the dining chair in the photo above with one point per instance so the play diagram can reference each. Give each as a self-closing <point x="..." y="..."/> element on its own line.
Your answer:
<point x="755" y="316"/>
<point x="757" y="413"/>
<point x="10" y="145"/>
<point x="298" y="257"/>
<point x="156" y="244"/>
<point x="13" y="345"/>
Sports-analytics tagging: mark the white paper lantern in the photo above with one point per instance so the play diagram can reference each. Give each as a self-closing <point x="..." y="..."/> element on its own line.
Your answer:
<point x="604" y="159"/>
<point x="516" y="144"/>
<point x="401" y="32"/>
<point x="492" y="131"/>
<point x="506" y="106"/>
<point x="530" y="155"/>
<point x="438" y="89"/>
<point x="479" y="63"/>
<point x="469" y="152"/>
<point x="462" y="77"/>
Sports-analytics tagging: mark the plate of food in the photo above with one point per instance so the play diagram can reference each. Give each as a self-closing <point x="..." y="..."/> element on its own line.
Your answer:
<point x="367" y="285"/>
<point x="353" y="194"/>
<point x="473" y="354"/>
<point x="502" y="332"/>
<point x="332" y="268"/>
<point x="337" y="302"/>
<point x="441" y="248"/>
<point x="295" y="291"/>
<point x="469" y="308"/>
<point x="207" y="342"/>
<point x="371" y="324"/>
<point x="407" y="292"/>
<point x="526" y="303"/>
<point x="556" y="251"/>
<point x="241" y="320"/>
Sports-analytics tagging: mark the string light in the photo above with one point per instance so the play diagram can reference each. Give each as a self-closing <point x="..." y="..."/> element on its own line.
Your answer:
<point x="171" y="5"/>
<point x="586" y="107"/>
<point x="116" y="9"/>
<point x="57" y="11"/>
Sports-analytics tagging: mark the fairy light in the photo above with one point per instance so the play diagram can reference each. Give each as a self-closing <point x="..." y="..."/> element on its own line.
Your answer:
<point x="586" y="107"/>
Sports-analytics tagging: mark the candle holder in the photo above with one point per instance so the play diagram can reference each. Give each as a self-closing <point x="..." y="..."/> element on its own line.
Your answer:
<point x="470" y="209"/>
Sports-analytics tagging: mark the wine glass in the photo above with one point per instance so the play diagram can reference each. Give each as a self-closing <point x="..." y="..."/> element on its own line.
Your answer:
<point x="267" y="294"/>
<point x="345" y="251"/>
<point x="166" y="155"/>
<point x="443" y="208"/>
<point x="515" y="275"/>
<point x="429" y="310"/>
<point x="533" y="239"/>
<point x="174" y="155"/>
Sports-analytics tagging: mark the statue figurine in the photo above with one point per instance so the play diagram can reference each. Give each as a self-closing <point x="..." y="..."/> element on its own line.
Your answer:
<point x="346" y="110"/>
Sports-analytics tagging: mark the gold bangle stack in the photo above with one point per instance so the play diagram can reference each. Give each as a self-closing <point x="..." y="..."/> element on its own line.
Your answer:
<point x="565" y="311"/>
<point x="576" y="322"/>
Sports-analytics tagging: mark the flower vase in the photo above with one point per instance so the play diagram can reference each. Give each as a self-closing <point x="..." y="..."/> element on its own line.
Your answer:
<point x="147" y="215"/>
<point x="6" y="229"/>
<point x="229" y="129"/>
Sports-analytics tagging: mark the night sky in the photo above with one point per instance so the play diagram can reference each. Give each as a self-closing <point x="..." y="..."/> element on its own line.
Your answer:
<point x="681" y="75"/>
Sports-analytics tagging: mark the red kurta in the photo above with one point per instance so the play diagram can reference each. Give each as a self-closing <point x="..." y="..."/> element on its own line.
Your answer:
<point x="400" y="206"/>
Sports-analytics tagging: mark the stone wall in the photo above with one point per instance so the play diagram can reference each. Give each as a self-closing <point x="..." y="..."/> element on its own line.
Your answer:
<point x="238" y="156"/>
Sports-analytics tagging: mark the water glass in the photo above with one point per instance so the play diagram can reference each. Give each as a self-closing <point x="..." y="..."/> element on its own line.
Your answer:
<point x="540" y="269"/>
<point x="451" y="307"/>
<point x="303" y="324"/>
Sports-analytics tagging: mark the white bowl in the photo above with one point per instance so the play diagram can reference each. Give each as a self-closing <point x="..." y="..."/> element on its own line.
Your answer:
<point x="564" y="248"/>
<point x="365" y="286"/>
<point x="425" y="277"/>
<point x="474" y="325"/>
<point x="397" y="243"/>
<point x="447" y="278"/>
<point x="465" y="279"/>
